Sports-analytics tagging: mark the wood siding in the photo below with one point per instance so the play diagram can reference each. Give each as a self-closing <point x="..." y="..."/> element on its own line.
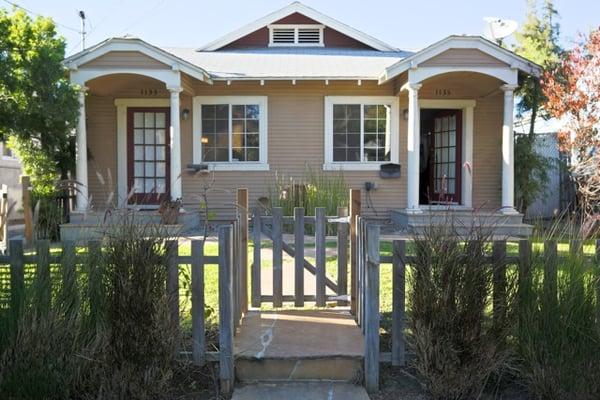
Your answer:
<point x="296" y="138"/>
<point x="125" y="59"/>
<point x="331" y="37"/>
<point x="464" y="57"/>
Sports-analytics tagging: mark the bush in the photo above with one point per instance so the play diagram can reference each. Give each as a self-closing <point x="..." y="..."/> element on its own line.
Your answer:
<point x="559" y="341"/>
<point x="457" y="348"/>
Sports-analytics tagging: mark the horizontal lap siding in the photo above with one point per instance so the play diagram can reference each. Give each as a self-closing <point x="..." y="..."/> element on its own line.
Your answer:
<point x="296" y="140"/>
<point x="101" y="118"/>
<point x="125" y="59"/>
<point x="463" y="57"/>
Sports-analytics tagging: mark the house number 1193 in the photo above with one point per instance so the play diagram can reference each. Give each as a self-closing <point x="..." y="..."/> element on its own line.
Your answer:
<point x="442" y="92"/>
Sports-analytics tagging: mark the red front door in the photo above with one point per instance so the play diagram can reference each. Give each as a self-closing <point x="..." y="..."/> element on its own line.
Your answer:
<point x="445" y="156"/>
<point x="148" y="155"/>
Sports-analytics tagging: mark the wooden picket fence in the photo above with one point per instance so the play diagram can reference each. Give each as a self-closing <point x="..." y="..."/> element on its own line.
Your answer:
<point x="232" y="265"/>
<point x="272" y="226"/>
<point x="369" y="259"/>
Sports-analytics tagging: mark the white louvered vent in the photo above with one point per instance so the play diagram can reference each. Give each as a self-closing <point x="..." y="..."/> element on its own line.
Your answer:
<point x="309" y="35"/>
<point x="296" y="35"/>
<point x="283" y="35"/>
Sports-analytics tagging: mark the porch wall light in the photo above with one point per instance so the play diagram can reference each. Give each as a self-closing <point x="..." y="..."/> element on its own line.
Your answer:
<point x="185" y="114"/>
<point x="405" y="114"/>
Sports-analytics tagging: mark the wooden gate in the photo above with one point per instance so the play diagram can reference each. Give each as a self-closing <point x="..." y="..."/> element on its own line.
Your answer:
<point x="273" y="227"/>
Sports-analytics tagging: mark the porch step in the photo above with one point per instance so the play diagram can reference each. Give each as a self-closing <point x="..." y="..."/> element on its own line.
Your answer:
<point x="464" y="220"/>
<point x="299" y="345"/>
<point x="301" y="391"/>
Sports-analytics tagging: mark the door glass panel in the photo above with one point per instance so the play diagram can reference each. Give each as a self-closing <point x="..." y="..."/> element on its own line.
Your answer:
<point x="161" y="186"/>
<point x="138" y="152"/>
<point x="149" y="120"/>
<point x="138" y="185"/>
<point x="149" y="153"/>
<point x="160" y="120"/>
<point x="444" y="174"/>
<point x="160" y="153"/>
<point x="160" y="136"/>
<point x="160" y="169"/>
<point x="138" y="120"/>
<point x="149" y="169"/>
<point x="149" y="136"/>
<point x="148" y="185"/>
<point x="138" y="136"/>
<point x="139" y="169"/>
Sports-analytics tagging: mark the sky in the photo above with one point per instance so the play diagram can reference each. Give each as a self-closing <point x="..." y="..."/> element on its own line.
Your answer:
<point x="409" y="25"/>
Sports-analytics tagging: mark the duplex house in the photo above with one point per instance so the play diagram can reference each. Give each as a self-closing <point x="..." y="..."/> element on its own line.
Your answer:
<point x="431" y="129"/>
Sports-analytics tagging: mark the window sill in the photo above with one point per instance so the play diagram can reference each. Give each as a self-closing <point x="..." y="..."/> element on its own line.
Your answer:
<point x="236" y="166"/>
<point x="358" y="166"/>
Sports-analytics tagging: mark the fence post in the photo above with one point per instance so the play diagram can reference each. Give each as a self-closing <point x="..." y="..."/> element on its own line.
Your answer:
<point x="173" y="286"/>
<point x="342" y="251"/>
<point x="198" y="335"/>
<point x="372" y="310"/>
<point x="299" y="257"/>
<point x="43" y="273"/>
<point x="242" y="199"/>
<point x="550" y="271"/>
<point x="398" y="302"/>
<point x="226" y="366"/>
<point x="598" y="283"/>
<point x="277" y="257"/>
<point x="320" y="255"/>
<point x="17" y="276"/>
<point x="255" y="278"/>
<point x="355" y="204"/>
<point x="27" y="211"/>
<point x="235" y="276"/>
<point x="4" y="218"/>
<point x="525" y="282"/>
<point x="499" y="283"/>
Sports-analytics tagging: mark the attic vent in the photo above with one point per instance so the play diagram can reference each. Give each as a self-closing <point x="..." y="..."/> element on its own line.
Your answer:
<point x="296" y="35"/>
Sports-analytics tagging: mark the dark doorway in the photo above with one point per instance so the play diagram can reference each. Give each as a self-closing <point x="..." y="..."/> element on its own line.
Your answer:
<point x="440" y="156"/>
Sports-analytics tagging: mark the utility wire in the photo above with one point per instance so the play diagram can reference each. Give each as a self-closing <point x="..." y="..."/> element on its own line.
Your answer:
<point x="40" y="15"/>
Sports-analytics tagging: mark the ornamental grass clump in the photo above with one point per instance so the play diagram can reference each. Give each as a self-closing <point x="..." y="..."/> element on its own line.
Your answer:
<point x="457" y="347"/>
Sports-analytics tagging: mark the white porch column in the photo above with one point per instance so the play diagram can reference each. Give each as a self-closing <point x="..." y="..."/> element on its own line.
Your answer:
<point x="175" y="135"/>
<point x="508" y="150"/>
<point x="413" y="141"/>
<point x="81" y="169"/>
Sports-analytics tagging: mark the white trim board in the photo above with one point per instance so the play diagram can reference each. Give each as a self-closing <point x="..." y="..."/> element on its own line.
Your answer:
<point x="393" y="101"/>
<point x="311" y="13"/>
<point x="122" y="105"/>
<point x="262" y="101"/>
<point x="467" y="106"/>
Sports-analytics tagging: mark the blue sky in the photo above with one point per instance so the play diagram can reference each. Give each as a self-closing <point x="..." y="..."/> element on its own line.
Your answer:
<point x="186" y="23"/>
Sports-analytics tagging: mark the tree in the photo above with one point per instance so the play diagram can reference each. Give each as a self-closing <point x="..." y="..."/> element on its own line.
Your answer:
<point x="38" y="104"/>
<point x="538" y="42"/>
<point x="573" y="95"/>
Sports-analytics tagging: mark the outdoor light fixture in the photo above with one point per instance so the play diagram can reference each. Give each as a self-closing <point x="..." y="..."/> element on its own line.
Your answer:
<point x="405" y="114"/>
<point x="204" y="140"/>
<point x="185" y="114"/>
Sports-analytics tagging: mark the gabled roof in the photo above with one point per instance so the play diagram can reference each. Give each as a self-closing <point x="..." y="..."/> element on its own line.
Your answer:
<point x="461" y="42"/>
<point x="135" y="44"/>
<point x="298" y="7"/>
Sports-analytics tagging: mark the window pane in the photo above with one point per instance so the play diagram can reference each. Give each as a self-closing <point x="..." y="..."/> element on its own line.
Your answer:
<point x="138" y="152"/>
<point x="149" y="169"/>
<point x="149" y="136"/>
<point x="252" y="154"/>
<point x="149" y="120"/>
<point x="237" y="126"/>
<point x="252" y="111"/>
<point x="138" y="136"/>
<point x="222" y="126"/>
<point x="222" y="111"/>
<point x="160" y="120"/>
<point x="376" y="136"/>
<point x="138" y="169"/>
<point x="161" y="169"/>
<point x="370" y="154"/>
<point x="252" y="126"/>
<point x="252" y="140"/>
<point x="353" y="154"/>
<point x="370" y="111"/>
<point x="138" y="120"/>
<point x="149" y="153"/>
<point x="148" y="185"/>
<point x="208" y="111"/>
<point x="339" y="111"/>
<point x="237" y="140"/>
<point x="161" y="185"/>
<point x="160" y="136"/>
<point x="370" y="125"/>
<point x="353" y="111"/>
<point x="208" y="125"/>
<point x="354" y="126"/>
<point x="160" y="153"/>
<point x="339" y="140"/>
<point x="237" y="154"/>
<point x="237" y="111"/>
<point x="221" y="154"/>
<point x="138" y="185"/>
<point x="339" y="154"/>
<point x="353" y="141"/>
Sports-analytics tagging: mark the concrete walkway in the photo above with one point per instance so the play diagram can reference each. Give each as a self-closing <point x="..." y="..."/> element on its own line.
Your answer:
<point x="301" y="391"/>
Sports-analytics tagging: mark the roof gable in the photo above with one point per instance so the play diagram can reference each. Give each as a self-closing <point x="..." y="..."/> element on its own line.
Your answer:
<point x="337" y="34"/>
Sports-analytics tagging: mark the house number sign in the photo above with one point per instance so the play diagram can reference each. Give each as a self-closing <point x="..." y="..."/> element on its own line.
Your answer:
<point x="442" y="92"/>
<point x="150" y="92"/>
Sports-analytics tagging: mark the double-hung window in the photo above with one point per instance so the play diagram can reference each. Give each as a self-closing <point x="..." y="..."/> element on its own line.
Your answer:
<point x="230" y="132"/>
<point x="361" y="132"/>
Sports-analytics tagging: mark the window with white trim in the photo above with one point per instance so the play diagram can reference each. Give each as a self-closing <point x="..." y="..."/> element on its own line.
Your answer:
<point x="295" y="35"/>
<point x="360" y="132"/>
<point x="230" y="130"/>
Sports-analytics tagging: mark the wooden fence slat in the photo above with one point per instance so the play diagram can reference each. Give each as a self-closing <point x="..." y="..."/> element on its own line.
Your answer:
<point x="398" y="303"/>
<point x="256" y="239"/>
<point x="226" y="365"/>
<point x="299" y="258"/>
<point x="320" y="255"/>
<point x="242" y="199"/>
<point x="172" y="250"/>
<point x="198" y="325"/>
<point x="236" y="275"/>
<point x="524" y="290"/>
<point x="597" y="265"/>
<point x="355" y="209"/>
<point x="372" y="310"/>
<point x="43" y="279"/>
<point x="277" y="257"/>
<point x="499" y="300"/>
<point x="342" y="257"/>
<point x="17" y="276"/>
<point x="550" y="271"/>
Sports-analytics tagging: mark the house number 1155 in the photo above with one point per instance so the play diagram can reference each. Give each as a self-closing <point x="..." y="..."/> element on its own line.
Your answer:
<point x="442" y="92"/>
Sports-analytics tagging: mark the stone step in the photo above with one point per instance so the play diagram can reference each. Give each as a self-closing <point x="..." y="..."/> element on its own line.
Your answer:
<point x="293" y="345"/>
<point x="300" y="391"/>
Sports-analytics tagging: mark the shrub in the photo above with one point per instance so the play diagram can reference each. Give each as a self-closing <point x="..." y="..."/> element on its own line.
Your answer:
<point x="559" y="340"/>
<point x="457" y="348"/>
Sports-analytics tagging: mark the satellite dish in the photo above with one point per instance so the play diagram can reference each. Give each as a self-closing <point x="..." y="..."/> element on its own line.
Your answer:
<point x="497" y="29"/>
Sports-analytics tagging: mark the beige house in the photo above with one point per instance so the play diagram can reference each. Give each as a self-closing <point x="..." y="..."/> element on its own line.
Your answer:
<point x="431" y="129"/>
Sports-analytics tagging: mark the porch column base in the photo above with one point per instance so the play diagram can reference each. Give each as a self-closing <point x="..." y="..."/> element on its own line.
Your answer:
<point x="413" y="210"/>
<point x="509" y="211"/>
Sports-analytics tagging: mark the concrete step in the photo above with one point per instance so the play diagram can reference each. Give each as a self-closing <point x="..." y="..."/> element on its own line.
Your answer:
<point x="299" y="345"/>
<point x="300" y="391"/>
<point x="497" y="231"/>
<point x="456" y="217"/>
